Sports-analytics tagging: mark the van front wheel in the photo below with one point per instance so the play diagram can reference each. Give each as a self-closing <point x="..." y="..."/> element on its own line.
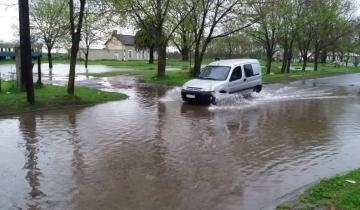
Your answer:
<point x="258" y="88"/>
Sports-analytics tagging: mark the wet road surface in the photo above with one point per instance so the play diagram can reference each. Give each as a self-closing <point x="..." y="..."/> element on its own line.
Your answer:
<point x="155" y="152"/>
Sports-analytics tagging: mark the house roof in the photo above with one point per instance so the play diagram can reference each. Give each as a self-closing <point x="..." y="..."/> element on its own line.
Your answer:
<point x="126" y="39"/>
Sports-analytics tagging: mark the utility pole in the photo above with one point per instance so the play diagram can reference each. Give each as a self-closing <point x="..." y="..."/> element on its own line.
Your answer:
<point x="25" y="50"/>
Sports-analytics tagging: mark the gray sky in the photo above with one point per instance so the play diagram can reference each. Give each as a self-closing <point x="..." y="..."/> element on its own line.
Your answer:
<point x="9" y="18"/>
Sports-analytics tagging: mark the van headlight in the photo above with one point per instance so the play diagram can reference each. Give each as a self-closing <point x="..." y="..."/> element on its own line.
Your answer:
<point x="209" y="89"/>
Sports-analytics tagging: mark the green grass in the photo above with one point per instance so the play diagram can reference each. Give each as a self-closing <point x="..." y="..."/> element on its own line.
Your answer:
<point x="139" y="65"/>
<point x="51" y="97"/>
<point x="172" y="77"/>
<point x="7" y="61"/>
<point x="330" y="193"/>
<point x="180" y="77"/>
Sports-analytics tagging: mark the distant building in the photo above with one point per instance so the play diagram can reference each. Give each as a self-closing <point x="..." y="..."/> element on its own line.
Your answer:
<point x="118" y="47"/>
<point x="8" y="50"/>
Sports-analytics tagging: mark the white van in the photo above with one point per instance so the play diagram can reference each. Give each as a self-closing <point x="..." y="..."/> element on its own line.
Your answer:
<point x="224" y="76"/>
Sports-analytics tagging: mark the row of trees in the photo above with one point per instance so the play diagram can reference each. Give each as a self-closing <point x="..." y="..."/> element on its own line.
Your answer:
<point x="51" y="25"/>
<point x="189" y="24"/>
<point x="303" y="30"/>
<point x="311" y="28"/>
<point x="46" y="17"/>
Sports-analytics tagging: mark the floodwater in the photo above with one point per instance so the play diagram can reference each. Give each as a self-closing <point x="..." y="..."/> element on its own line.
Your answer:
<point x="61" y="71"/>
<point x="155" y="152"/>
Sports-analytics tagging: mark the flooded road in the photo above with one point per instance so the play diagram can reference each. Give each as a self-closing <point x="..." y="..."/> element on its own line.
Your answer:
<point x="155" y="152"/>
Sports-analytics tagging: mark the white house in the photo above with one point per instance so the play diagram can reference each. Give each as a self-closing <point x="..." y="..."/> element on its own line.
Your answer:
<point x="118" y="47"/>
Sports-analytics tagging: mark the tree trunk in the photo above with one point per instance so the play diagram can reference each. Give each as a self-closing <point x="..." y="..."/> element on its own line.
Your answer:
<point x="86" y="57"/>
<point x="305" y="60"/>
<point x="198" y="57"/>
<point x="347" y="59"/>
<point x="161" y="61"/>
<point x="151" y="55"/>
<point x="75" y="39"/>
<point x="39" y="82"/>
<point x="341" y="56"/>
<point x="73" y="56"/>
<point x="284" y="61"/>
<point x="197" y="62"/>
<point x="23" y="76"/>
<point x="289" y="57"/>
<point x="323" y="56"/>
<point x="50" y="58"/>
<point x="25" y="47"/>
<point x="268" y="63"/>
<point x="316" y="55"/>
<point x="333" y="56"/>
<point x="185" y="54"/>
<point x="197" y="65"/>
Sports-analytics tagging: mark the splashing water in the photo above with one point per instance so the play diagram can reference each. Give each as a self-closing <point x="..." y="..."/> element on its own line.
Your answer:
<point x="272" y="93"/>
<point x="172" y="95"/>
<point x="287" y="93"/>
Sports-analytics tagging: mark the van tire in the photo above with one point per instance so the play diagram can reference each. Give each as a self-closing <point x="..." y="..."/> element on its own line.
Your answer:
<point x="258" y="88"/>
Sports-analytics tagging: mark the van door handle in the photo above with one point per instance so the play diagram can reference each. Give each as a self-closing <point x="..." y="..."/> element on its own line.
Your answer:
<point x="245" y="80"/>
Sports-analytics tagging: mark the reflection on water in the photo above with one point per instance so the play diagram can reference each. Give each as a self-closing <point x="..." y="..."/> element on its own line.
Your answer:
<point x="155" y="152"/>
<point x="27" y="127"/>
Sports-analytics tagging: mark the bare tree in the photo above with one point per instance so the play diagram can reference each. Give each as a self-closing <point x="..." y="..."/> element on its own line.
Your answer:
<point x="76" y="22"/>
<point x="266" y="30"/>
<point x="96" y="25"/>
<point x="49" y="22"/>
<point x="183" y="37"/>
<point x="209" y="17"/>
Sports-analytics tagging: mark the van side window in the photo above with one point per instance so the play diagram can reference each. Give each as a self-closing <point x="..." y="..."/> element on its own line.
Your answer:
<point x="236" y="74"/>
<point x="248" y="70"/>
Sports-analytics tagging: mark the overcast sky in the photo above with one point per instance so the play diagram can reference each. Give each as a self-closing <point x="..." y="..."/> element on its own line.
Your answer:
<point x="9" y="18"/>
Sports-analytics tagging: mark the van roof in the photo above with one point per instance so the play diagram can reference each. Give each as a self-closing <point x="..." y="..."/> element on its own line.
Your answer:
<point x="233" y="62"/>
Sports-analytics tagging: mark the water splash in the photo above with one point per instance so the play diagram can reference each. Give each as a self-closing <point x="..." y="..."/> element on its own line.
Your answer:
<point x="172" y="95"/>
<point x="284" y="93"/>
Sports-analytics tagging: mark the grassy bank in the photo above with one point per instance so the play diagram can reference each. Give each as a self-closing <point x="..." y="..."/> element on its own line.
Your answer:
<point x="172" y="77"/>
<point x="51" y="97"/>
<point x="179" y="77"/>
<point x="148" y="71"/>
<point x="333" y="193"/>
<point x="139" y="65"/>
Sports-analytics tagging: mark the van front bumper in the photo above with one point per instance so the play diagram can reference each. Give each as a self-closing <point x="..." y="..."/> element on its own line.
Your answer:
<point x="203" y="97"/>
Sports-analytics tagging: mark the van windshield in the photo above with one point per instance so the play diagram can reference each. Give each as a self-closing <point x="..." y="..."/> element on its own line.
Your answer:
<point x="215" y="73"/>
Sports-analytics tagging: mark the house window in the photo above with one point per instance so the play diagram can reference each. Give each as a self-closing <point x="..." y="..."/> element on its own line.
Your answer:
<point x="130" y="54"/>
<point x="124" y="54"/>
